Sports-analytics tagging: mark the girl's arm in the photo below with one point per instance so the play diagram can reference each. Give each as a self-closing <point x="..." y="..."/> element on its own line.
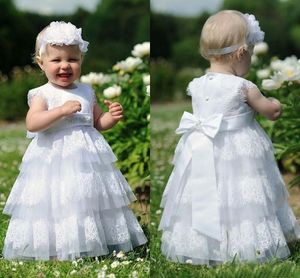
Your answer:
<point x="39" y="118"/>
<point x="106" y="120"/>
<point x="268" y="107"/>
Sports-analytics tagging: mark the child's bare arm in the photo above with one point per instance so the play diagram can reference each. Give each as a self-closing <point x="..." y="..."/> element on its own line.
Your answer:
<point x="106" y="120"/>
<point x="40" y="118"/>
<point x="268" y="107"/>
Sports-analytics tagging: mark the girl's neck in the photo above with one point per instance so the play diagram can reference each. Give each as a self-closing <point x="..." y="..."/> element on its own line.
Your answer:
<point x="222" y="68"/>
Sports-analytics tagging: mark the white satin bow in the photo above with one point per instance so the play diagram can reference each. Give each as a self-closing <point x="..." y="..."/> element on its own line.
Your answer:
<point x="205" y="209"/>
<point x="209" y="126"/>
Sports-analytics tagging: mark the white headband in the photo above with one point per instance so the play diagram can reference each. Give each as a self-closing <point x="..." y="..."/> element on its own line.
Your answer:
<point x="254" y="36"/>
<point x="62" y="33"/>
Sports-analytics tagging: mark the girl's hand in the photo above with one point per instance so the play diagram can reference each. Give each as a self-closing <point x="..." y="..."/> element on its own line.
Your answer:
<point x="70" y="107"/>
<point x="115" y="109"/>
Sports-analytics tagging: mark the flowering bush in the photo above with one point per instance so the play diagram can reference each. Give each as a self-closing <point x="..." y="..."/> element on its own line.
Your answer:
<point x="281" y="79"/>
<point x="129" y="84"/>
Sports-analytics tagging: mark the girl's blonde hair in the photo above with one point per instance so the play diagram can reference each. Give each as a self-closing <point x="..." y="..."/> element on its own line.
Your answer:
<point x="225" y="28"/>
<point x="36" y="56"/>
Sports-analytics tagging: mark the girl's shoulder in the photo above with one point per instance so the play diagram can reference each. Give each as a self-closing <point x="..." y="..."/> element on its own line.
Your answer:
<point x="38" y="91"/>
<point x="231" y="82"/>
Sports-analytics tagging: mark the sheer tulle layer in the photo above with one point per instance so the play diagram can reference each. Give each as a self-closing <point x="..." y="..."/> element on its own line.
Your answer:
<point x="251" y="197"/>
<point x="69" y="200"/>
<point x="90" y="234"/>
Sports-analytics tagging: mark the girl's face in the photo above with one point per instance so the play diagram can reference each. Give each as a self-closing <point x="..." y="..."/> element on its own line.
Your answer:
<point x="61" y="64"/>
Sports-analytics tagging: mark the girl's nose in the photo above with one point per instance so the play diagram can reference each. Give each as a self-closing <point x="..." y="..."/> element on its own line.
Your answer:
<point x="65" y="65"/>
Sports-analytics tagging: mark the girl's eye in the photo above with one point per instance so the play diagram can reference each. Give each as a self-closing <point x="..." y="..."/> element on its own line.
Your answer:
<point x="73" y="60"/>
<point x="55" y="60"/>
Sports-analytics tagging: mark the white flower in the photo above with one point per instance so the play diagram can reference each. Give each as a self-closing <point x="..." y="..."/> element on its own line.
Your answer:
<point x="101" y="274"/>
<point x="276" y="64"/>
<point x="270" y="84"/>
<point x="105" y="267"/>
<point x="146" y="79"/>
<point x="73" y="272"/>
<point x="128" y="65"/>
<point x="139" y="259"/>
<point x="263" y="73"/>
<point x="62" y="33"/>
<point x="148" y="117"/>
<point x="115" y="264"/>
<point x="56" y="273"/>
<point x="21" y="263"/>
<point x="148" y="90"/>
<point x="141" y="50"/>
<point x="95" y="78"/>
<point x="260" y="48"/>
<point x="113" y="91"/>
<point x="189" y="261"/>
<point x="134" y="274"/>
<point x="74" y="263"/>
<point x="254" y="59"/>
<point x="120" y="254"/>
<point x="125" y="262"/>
<point x="158" y="211"/>
<point x="111" y="275"/>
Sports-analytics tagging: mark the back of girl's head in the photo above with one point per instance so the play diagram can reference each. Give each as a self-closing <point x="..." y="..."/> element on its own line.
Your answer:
<point x="224" y="29"/>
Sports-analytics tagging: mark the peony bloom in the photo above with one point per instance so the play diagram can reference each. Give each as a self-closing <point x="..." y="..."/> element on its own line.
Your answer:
<point x="113" y="91"/>
<point x="148" y="90"/>
<point x="146" y="79"/>
<point x="270" y="84"/>
<point x="260" y="48"/>
<point x="95" y="78"/>
<point x="263" y="73"/>
<point x="141" y="50"/>
<point x="128" y="65"/>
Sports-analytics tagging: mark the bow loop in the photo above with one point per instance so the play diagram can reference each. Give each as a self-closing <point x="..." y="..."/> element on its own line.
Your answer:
<point x="209" y="126"/>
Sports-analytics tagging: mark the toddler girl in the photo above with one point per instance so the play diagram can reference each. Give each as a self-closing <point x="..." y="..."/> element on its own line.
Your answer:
<point x="225" y="199"/>
<point x="69" y="200"/>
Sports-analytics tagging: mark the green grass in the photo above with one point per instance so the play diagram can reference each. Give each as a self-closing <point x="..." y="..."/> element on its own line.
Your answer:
<point x="134" y="264"/>
<point x="164" y="120"/>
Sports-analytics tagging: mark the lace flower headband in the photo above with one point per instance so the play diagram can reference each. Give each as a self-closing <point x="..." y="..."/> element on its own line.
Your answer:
<point x="62" y="33"/>
<point x="254" y="36"/>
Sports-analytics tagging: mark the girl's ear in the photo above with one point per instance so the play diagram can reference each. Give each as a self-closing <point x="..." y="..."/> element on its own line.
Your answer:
<point x="241" y="52"/>
<point x="40" y="62"/>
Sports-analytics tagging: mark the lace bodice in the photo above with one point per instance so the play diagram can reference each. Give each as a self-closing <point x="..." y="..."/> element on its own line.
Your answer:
<point x="219" y="93"/>
<point x="55" y="96"/>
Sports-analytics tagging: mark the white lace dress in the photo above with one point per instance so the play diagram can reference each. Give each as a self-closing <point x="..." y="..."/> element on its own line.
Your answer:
<point x="69" y="200"/>
<point x="232" y="205"/>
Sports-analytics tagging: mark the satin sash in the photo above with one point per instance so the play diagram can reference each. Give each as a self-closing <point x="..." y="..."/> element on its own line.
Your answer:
<point x="196" y="149"/>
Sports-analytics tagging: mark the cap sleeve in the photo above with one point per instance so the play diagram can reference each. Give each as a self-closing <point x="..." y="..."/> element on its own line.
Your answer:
<point x="34" y="93"/>
<point x="245" y="87"/>
<point x="189" y="89"/>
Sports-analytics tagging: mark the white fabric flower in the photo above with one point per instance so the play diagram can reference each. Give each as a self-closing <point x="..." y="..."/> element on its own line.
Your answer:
<point x="255" y="34"/>
<point x="141" y="50"/>
<point x="62" y="33"/>
<point x="113" y="91"/>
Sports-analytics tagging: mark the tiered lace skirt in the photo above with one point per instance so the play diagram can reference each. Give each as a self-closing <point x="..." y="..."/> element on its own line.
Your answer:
<point x="69" y="200"/>
<point x="256" y="221"/>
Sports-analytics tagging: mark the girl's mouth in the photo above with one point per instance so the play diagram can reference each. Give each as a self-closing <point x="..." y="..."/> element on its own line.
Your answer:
<point x="64" y="75"/>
